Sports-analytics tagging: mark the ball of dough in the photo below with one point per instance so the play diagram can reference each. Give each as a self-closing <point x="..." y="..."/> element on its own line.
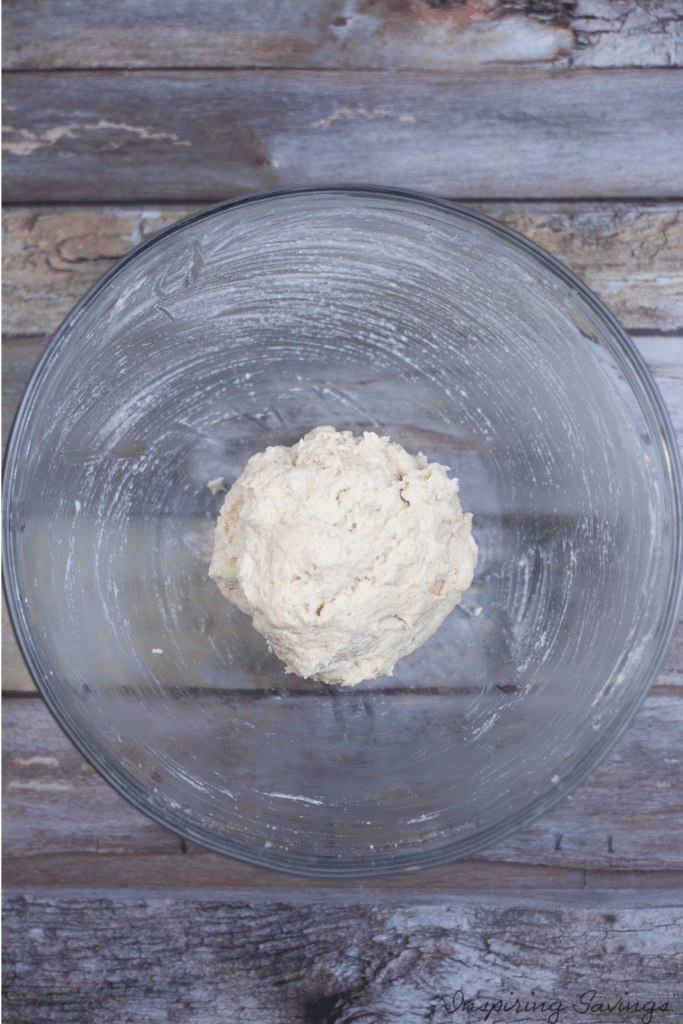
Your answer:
<point x="347" y="552"/>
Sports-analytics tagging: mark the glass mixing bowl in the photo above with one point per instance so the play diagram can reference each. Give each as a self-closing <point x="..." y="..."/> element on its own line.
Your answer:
<point x="367" y="308"/>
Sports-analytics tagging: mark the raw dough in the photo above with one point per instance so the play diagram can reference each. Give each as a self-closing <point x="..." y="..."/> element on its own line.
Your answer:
<point x="347" y="552"/>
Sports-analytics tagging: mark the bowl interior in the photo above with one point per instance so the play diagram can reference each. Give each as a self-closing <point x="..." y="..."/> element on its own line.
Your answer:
<point x="246" y="327"/>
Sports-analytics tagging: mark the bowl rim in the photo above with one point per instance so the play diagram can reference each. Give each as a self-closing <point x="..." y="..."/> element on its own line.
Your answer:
<point x="310" y="866"/>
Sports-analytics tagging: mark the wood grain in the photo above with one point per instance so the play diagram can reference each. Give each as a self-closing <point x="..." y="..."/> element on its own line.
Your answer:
<point x="62" y="822"/>
<point x="443" y="106"/>
<point x="630" y="254"/>
<point x="15" y="675"/>
<point x="203" y="136"/>
<point x="380" y="34"/>
<point x="109" y="956"/>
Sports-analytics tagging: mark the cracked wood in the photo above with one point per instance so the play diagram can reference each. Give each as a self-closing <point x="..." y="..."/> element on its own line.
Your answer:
<point x="630" y="254"/>
<point x="113" y="955"/>
<point x="439" y="35"/>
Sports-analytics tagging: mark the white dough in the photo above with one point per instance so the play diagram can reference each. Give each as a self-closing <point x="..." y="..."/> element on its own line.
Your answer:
<point x="347" y="552"/>
<point x="216" y="485"/>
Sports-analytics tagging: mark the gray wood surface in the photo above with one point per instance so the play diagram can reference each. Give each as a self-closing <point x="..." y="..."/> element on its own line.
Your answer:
<point x="62" y="820"/>
<point x="205" y="135"/>
<point x="110" y="956"/>
<point x="385" y="34"/>
<point x="631" y="254"/>
<point x="154" y="108"/>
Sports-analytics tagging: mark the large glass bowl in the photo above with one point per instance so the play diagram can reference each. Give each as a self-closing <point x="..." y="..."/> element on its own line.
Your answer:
<point x="367" y="308"/>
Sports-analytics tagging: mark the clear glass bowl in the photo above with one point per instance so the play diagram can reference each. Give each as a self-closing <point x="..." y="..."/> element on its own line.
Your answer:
<point x="367" y="308"/>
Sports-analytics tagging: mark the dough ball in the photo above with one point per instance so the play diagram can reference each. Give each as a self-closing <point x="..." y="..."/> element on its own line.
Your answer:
<point x="347" y="552"/>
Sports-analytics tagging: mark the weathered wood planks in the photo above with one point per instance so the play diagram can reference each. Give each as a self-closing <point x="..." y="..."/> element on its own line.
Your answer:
<point x="63" y="822"/>
<point x="206" y="135"/>
<point x="281" y="957"/>
<point x="15" y="675"/>
<point x="630" y="254"/>
<point x="274" y="950"/>
<point x="443" y="35"/>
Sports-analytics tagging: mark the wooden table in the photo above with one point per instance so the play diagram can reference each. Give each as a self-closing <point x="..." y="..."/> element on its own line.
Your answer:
<point x="564" y="121"/>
